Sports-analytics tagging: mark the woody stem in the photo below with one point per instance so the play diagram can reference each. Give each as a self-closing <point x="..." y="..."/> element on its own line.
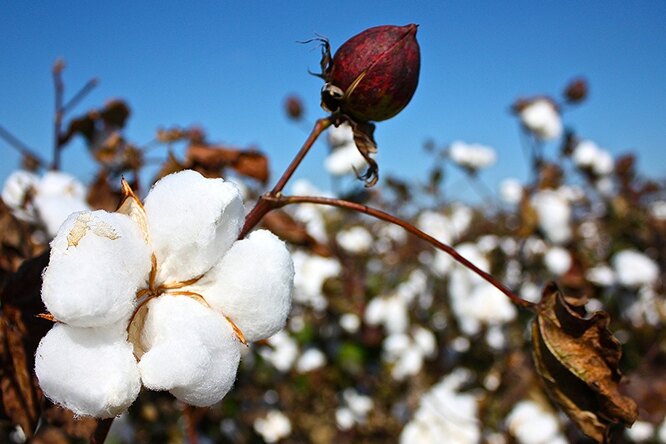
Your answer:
<point x="265" y="203"/>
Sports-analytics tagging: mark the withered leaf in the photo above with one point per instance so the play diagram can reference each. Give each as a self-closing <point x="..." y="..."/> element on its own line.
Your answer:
<point x="115" y="113"/>
<point x="20" y="332"/>
<point x="366" y="145"/>
<point x="578" y="358"/>
<point x="170" y="165"/>
<point x="251" y="162"/>
<point x="101" y="195"/>
<point x="285" y="227"/>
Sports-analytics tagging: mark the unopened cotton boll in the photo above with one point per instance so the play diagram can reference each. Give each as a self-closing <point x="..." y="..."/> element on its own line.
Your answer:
<point x="192" y="221"/>
<point x="634" y="269"/>
<point x="191" y="351"/>
<point x="252" y="285"/>
<point x="98" y="262"/>
<point x="542" y="118"/>
<point x="344" y="160"/>
<point x="91" y="371"/>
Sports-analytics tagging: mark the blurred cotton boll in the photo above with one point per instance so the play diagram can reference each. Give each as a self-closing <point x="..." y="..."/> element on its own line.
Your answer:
<point x="344" y="157"/>
<point x="541" y="117"/>
<point x="634" y="269"/>
<point x="273" y="427"/>
<point x="472" y="156"/>
<point x="554" y="215"/>
<point x="355" y="240"/>
<point x="530" y="423"/>
<point x="47" y="200"/>
<point x="511" y="191"/>
<point x="355" y="409"/>
<point x="588" y="155"/>
<point x="557" y="260"/>
<point x="311" y="359"/>
<point x="445" y="412"/>
<point x="311" y="272"/>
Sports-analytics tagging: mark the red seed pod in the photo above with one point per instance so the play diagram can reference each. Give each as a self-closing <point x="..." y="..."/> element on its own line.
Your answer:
<point x="373" y="75"/>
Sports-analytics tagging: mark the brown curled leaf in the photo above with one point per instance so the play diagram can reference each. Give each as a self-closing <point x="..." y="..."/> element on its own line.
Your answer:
<point x="249" y="162"/>
<point x="578" y="359"/>
<point x="366" y="145"/>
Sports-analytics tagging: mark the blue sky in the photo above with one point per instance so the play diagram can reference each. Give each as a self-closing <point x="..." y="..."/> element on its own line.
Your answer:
<point x="228" y="66"/>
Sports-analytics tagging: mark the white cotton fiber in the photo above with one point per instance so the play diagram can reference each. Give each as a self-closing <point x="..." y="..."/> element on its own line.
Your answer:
<point x="91" y="371"/>
<point x="252" y="285"/>
<point x="190" y="351"/>
<point x="193" y="221"/>
<point x="54" y="210"/>
<point x="98" y="262"/>
<point x="16" y="191"/>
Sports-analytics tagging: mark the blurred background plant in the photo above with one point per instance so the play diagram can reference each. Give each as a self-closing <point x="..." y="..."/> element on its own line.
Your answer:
<point x="388" y="339"/>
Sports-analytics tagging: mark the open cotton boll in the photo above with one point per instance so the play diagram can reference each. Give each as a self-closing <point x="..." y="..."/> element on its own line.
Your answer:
<point x="192" y="222"/>
<point x="355" y="240"/>
<point x="16" y="191"/>
<point x="634" y="269"/>
<point x="252" y="285"/>
<point x="340" y="135"/>
<point x="53" y="210"/>
<point x="56" y="183"/>
<point x="190" y="351"/>
<point x="554" y="213"/>
<point x="91" y="371"/>
<point x="530" y="423"/>
<point x="98" y="262"/>
<point x="473" y="156"/>
<point x="557" y="260"/>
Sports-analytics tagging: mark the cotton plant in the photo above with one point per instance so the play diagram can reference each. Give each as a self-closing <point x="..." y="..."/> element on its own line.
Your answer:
<point x="45" y="200"/>
<point x="159" y="294"/>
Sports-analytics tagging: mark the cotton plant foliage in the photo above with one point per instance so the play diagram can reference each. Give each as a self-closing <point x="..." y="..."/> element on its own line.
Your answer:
<point x="161" y="295"/>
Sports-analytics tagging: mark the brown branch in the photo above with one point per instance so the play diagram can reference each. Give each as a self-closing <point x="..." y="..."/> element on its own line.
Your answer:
<point x="281" y="201"/>
<point x="80" y="95"/>
<point x="59" y="89"/>
<point x="265" y="203"/>
<point x="21" y="147"/>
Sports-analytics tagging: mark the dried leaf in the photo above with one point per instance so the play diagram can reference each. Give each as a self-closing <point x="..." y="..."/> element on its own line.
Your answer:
<point x="250" y="162"/>
<point x="101" y="195"/>
<point x="366" y="145"/>
<point x="171" y="165"/>
<point x="578" y="358"/>
<point x="115" y="113"/>
<point x="20" y="332"/>
<point x="285" y="227"/>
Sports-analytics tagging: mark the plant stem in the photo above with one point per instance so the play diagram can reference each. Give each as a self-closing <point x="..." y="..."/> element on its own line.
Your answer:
<point x="57" y="120"/>
<point x="266" y="202"/>
<point x="20" y="146"/>
<point x="280" y="201"/>
<point x="102" y="430"/>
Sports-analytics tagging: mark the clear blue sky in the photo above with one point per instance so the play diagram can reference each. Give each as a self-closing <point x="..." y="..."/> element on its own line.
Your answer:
<point x="229" y="65"/>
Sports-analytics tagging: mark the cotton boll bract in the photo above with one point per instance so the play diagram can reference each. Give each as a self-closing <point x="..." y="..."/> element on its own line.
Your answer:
<point x="192" y="221"/>
<point x="191" y="351"/>
<point x="252" y="285"/>
<point x="98" y="262"/>
<point x="91" y="371"/>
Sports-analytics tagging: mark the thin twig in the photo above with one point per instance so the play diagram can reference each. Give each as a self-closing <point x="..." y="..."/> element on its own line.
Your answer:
<point x="264" y="205"/>
<point x="83" y="92"/>
<point x="59" y="89"/>
<point x="19" y="146"/>
<point x="281" y="201"/>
